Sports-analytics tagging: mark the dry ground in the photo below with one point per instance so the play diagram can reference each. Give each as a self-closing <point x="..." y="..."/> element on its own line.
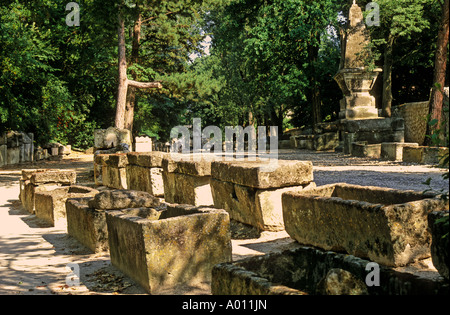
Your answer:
<point x="34" y="257"/>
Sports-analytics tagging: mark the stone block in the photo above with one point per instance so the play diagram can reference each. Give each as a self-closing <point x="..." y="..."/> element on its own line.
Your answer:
<point x="143" y="144"/>
<point x="440" y="246"/>
<point x="384" y="225"/>
<point x="114" y="174"/>
<point x="145" y="179"/>
<point x="13" y="155"/>
<point x="144" y="172"/>
<point x="146" y="159"/>
<point x="41" y="180"/>
<point x="424" y="155"/>
<point x="187" y="181"/>
<point x="111" y="138"/>
<point x="361" y="149"/>
<point x="100" y="166"/>
<point x="51" y="205"/>
<point x="165" y="249"/>
<point x="27" y="195"/>
<point x="87" y="225"/>
<point x="3" y="155"/>
<point x="121" y="199"/>
<point x="63" y="177"/>
<point x="393" y="151"/>
<point x="326" y="141"/>
<point x="260" y="208"/>
<point x="304" y="270"/>
<point x="253" y="173"/>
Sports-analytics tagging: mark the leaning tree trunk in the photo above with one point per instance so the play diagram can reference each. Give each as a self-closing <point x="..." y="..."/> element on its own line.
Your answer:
<point x="123" y="82"/>
<point x="125" y="113"/>
<point x="440" y="67"/>
<point x="131" y="99"/>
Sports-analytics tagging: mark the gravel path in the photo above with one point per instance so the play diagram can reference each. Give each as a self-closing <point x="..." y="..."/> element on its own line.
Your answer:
<point x="34" y="257"/>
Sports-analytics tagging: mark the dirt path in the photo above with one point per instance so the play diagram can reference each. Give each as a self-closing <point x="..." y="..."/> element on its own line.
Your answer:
<point x="34" y="258"/>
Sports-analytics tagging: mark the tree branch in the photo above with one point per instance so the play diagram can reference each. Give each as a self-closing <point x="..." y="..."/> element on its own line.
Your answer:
<point x="145" y="85"/>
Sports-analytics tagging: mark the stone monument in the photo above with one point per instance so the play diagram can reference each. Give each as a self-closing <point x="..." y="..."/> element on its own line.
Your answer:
<point x="355" y="79"/>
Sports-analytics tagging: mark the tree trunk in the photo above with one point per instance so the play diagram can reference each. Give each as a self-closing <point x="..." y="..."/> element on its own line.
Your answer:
<point x="123" y="82"/>
<point x="315" y="97"/>
<point x="387" y="78"/>
<point x="440" y="66"/>
<point x="131" y="99"/>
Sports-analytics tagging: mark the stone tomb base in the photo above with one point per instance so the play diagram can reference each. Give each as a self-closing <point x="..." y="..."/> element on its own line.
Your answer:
<point x="187" y="181"/>
<point x="114" y="174"/>
<point x="144" y="172"/>
<point x="34" y="181"/>
<point x="86" y="217"/>
<point x="51" y="205"/>
<point x="387" y="226"/>
<point x="252" y="195"/>
<point x="306" y="270"/>
<point x="163" y="249"/>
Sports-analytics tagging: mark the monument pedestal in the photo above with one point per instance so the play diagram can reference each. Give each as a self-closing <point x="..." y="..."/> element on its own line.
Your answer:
<point x="356" y="85"/>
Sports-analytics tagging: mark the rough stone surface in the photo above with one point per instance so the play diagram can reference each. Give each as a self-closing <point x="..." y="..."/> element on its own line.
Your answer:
<point x="440" y="246"/>
<point x="122" y="199"/>
<point x="187" y="189"/>
<point x="64" y="177"/>
<point x="366" y="150"/>
<point x="87" y="225"/>
<point x="393" y="151"/>
<point x="341" y="282"/>
<point x="384" y="225"/>
<point x="260" y="208"/>
<point x="300" y="271"/>
<point x="414" y="115"/>
<point x="145" y="179"/>
<point x="114" y="173"/>
<point x="179" y="247"/>
<point x="252" y="174"/>
<point x="424" y="155"/>
<point x="51" y="205"/>
<point x="146" y="159"/>
<point x="111" y="137"/>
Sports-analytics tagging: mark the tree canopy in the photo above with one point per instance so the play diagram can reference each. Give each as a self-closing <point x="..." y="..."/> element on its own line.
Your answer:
<point x="271" y="62"/>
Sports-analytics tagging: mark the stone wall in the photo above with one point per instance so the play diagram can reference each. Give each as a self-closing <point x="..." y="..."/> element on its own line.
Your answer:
<point x="16" y="147"/>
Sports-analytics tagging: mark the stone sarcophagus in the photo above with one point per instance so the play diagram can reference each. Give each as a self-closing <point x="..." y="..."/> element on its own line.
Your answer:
<point x="384" y="225"/>
<point x="252" y="194"/>
<point x="34" y="181"/>
<point x="161" y="250"/>
<point x="86" y="217"/>
<point x="114" y="175"/>
<point x="144" y="172"/>
<point x="311" y="271"/>
<point x="187" y="180"/>
<point x="51" y="205"/>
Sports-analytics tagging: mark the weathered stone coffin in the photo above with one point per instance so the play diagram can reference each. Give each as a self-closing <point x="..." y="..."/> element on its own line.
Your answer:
<point x="163" y="249"/>
<point x="51" y="205"/>
<point x="252" y="195"/>
<point x="144" y="172"/>
<point x="384" y="225"/>
<point x="86" y="217"/>
<point x="34" y="181"/>
<point x="114" y="175"/>
<point x="307" y="270"/>
<point x="187" y="180"/>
